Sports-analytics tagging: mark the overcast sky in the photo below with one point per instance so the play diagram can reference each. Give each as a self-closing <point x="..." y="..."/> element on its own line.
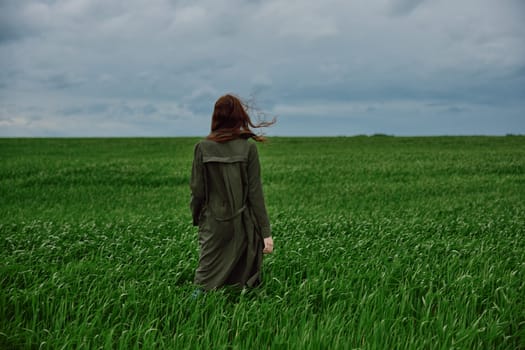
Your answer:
<point x="323" y="67"/>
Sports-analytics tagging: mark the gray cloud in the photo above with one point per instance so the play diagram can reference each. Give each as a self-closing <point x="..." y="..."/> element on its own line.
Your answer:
<point x="138" y="63"/>
<point x="13" y="25"/>
<point x="403" y="7"/>
<point x="61" y="81"/>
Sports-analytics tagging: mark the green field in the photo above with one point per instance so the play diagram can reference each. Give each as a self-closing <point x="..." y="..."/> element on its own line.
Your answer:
<point x="381" y="243"/>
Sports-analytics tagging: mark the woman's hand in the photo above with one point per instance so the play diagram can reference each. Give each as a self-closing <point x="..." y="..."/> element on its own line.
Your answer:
<point x="268" y="245"/>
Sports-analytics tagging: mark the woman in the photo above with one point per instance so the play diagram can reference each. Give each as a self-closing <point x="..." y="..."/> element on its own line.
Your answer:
<point x="227" y="200"/>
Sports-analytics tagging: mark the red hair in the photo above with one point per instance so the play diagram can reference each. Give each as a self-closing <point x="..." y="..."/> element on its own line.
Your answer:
<point x="230" y="120"/>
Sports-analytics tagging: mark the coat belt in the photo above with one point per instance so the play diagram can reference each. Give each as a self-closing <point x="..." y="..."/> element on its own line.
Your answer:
<point x="237" y="213"/>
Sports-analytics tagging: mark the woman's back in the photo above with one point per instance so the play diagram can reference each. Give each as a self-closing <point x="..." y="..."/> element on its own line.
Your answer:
<point x="226" y="175"/>
<point x="227" y="201"/>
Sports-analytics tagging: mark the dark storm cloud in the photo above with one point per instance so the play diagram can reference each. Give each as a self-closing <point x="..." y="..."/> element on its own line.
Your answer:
<point x="12" y="24"/>
<point x="113" y="67"/>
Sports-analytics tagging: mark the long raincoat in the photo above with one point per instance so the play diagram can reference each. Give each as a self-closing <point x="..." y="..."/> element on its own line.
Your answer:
<point x="227" y="204"/>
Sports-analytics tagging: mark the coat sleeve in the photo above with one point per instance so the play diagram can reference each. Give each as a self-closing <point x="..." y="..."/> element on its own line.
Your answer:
<point x="255" y="192"/>
<point x="197" y="185"/>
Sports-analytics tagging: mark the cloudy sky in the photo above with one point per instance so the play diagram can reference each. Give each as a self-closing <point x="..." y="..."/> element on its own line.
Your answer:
<point x="331" y="67"/>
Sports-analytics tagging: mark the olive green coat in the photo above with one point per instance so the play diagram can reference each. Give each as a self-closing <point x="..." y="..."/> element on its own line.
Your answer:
<point x="228" y="206"/>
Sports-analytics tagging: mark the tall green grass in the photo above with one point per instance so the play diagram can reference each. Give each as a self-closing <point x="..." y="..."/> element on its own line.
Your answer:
<point x="381" y="242"/>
